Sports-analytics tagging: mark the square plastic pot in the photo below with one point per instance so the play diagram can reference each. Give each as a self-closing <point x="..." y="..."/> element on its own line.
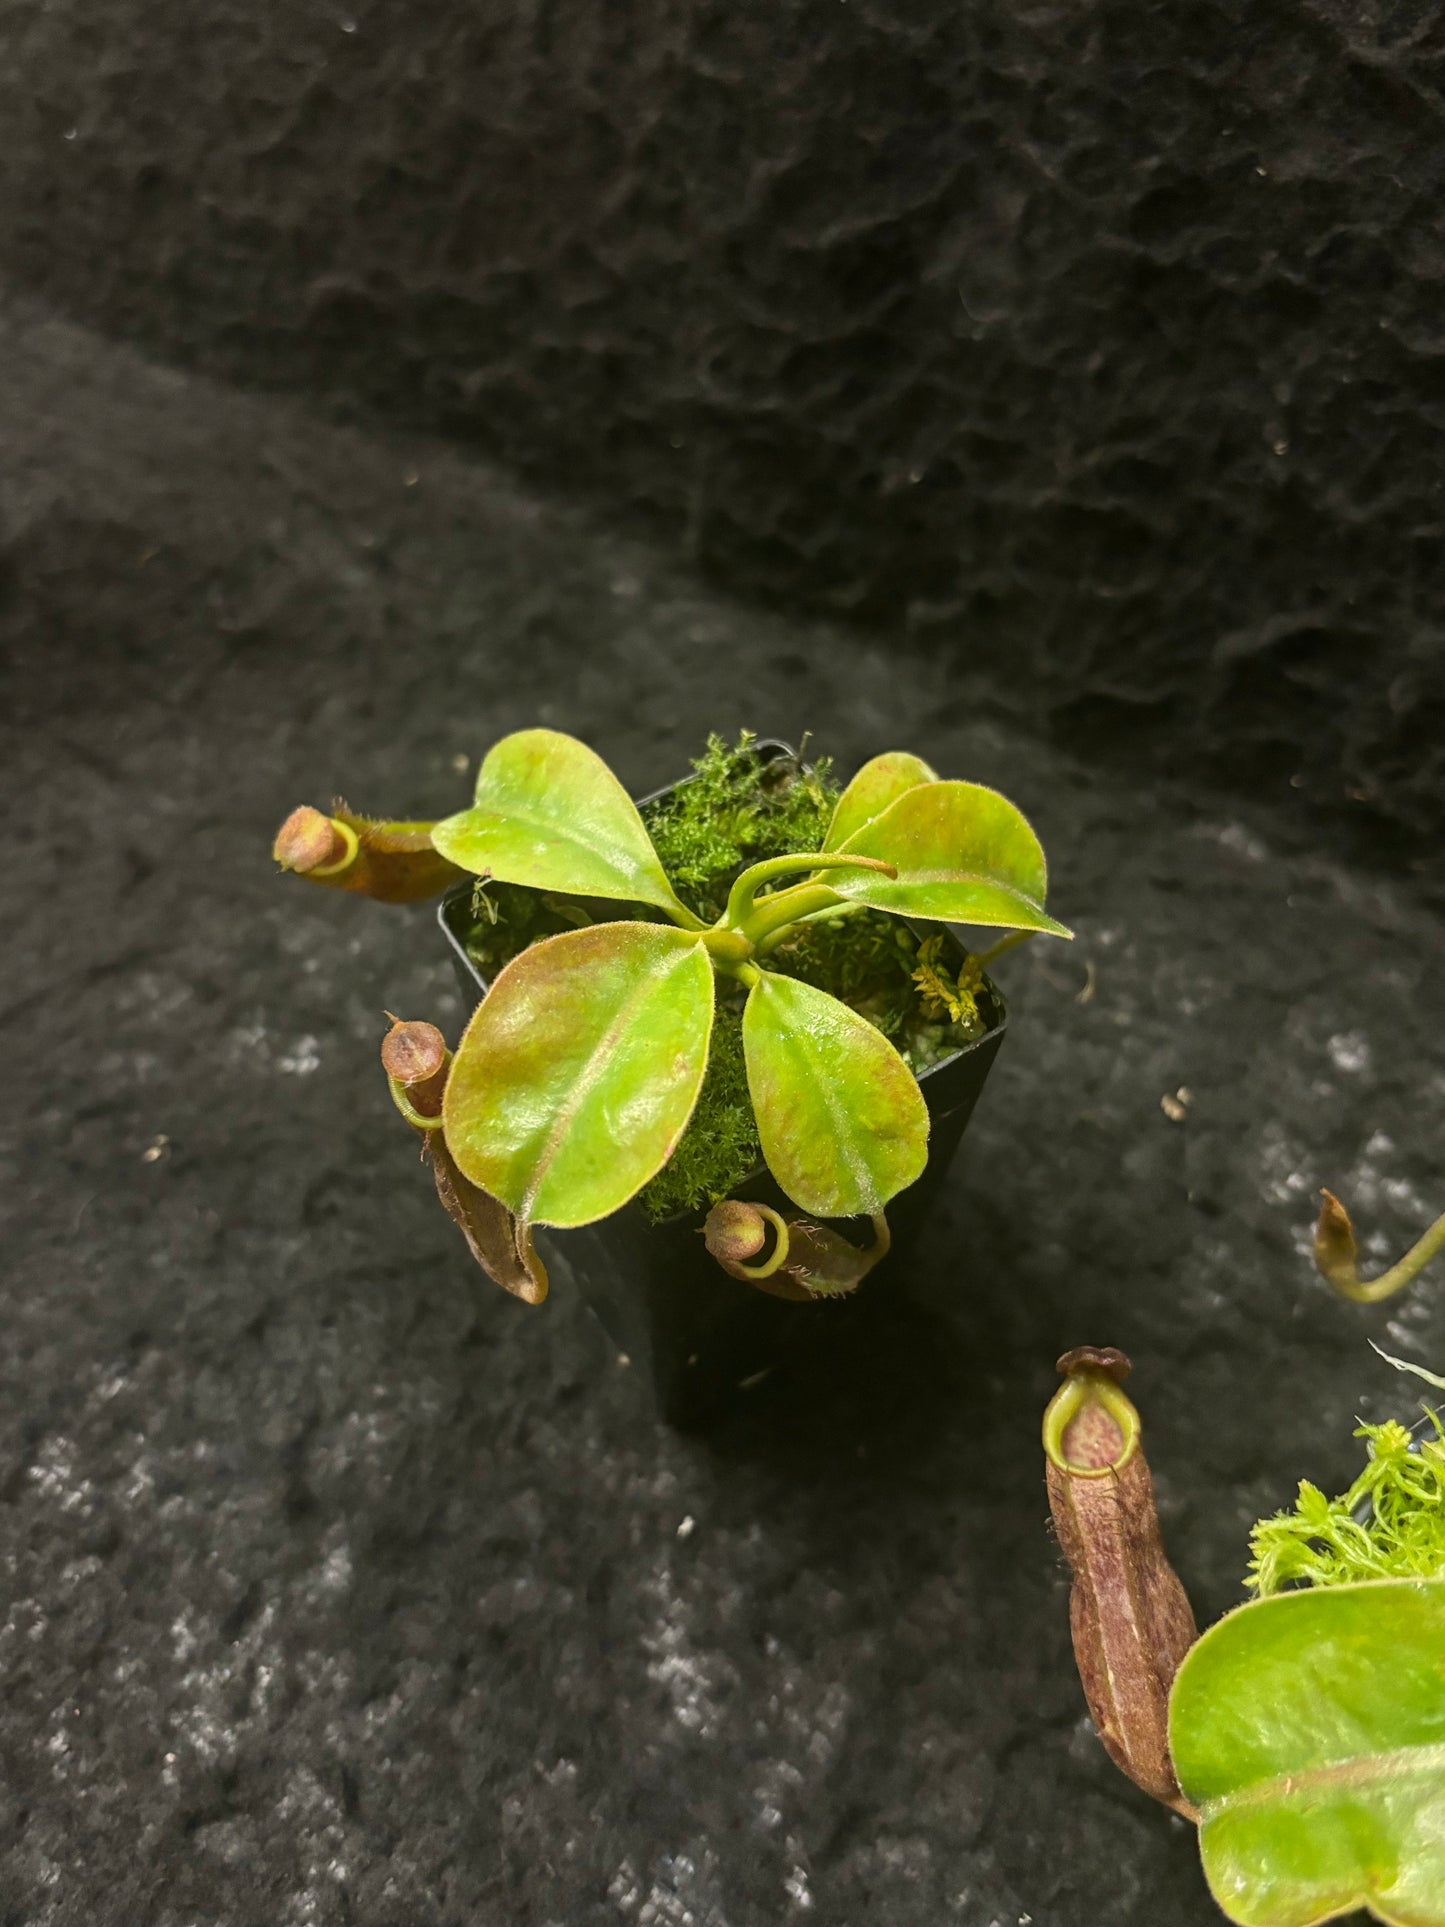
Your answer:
<point x="701" y="1338"/>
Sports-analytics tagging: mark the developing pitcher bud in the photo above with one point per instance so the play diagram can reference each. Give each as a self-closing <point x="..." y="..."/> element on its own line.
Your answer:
<point x="807" y="1260"/>
<point x="308" y="841"/>
<point x="734" y="1232"/>
<point x="1337" y="1258"/>
<point x="1131" y="1619"/>
<point x="393" y="862"/>
<point x="1334" y="1245"/>
<point x="416" y="1061"/>
<point x="415" y="1055"/>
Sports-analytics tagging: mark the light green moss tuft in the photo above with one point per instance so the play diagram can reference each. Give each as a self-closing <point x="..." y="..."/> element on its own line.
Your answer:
<point x="720" y="1145"/>
<point x="736" y="810"/>
<point x="1321" y="1543"/>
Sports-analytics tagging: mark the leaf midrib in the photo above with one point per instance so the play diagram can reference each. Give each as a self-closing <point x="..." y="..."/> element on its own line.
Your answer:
<point x="839" y="1115"/>
<point x="587" y="1082"/>
<point x="1401" y="1763"/>
<point x="907" y="875"/>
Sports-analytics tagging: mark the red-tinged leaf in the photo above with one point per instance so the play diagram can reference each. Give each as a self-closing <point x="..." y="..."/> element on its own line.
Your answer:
<point x="963" y="854"/>
<point x="577" y="1075"/>
<point x="549" y="813"/>
<point x="873" y="789"/>
<point x="842" y="1122"/>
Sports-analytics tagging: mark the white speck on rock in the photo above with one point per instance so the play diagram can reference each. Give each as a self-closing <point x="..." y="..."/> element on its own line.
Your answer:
<point x="1349" y="1051"/>
<point x="303" y="1057"/>
<point x="1284" y="1179"/>
<point x="677" y="1665"/>
<point x="624" y="1889"/>
<point x="1243" y="842"/>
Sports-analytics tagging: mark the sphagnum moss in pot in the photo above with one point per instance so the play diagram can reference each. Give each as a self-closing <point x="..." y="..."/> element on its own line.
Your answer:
<point x="697" y="1100"/>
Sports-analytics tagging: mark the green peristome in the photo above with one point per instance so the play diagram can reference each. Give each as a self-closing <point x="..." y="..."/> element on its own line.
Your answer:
<point x="549" y="813"/>
<point x="841" y="1120"/>
<point x="964" y="854"/>
<point x="1309" y="1731"/>
<point x="579" y="1071"/>
<point x="876" y="785"/>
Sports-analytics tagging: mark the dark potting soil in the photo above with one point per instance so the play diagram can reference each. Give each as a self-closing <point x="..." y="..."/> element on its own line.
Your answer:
<point x="340" y="1588"/>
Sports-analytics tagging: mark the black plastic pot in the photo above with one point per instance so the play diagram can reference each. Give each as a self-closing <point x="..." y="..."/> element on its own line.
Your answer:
<point x="700" y="1336"/>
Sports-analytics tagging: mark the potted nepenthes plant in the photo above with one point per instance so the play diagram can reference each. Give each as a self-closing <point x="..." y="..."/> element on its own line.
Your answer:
<point x="1304" y="1733"/>
<point x="715" y="1035"/>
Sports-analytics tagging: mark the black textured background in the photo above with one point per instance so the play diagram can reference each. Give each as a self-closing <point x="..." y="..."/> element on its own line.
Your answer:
<point x="340" y="1591"/>
<point x="1055" y="390"/>
<point x="1096" y="343"/>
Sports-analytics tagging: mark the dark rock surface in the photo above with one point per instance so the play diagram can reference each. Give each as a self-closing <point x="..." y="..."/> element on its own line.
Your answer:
<point x="1098" y="341"/>
<point x="341" y="1589"/>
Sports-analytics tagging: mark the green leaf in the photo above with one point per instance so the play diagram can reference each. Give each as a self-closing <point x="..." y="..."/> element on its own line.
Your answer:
<point x="1309" y="1730"/>
<point x="549" y="813"/>
<point x="577" y="1075"/>
<point x="841" y="1119"/>
<point x="876" y="785"/>
<point x="963" y="854"/>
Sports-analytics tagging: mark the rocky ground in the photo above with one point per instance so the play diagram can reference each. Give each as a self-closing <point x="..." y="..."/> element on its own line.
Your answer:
<point x="339" y="1588"/>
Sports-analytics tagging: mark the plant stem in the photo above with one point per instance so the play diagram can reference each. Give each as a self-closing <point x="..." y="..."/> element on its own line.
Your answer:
<point x="783" y="908"/>
<point x="741" y="908"/>
<point x="684" y="918"/>
<point x="986" y="957"/>
<point x="844" y="907"/>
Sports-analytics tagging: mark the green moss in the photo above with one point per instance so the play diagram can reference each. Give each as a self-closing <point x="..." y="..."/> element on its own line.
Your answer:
<point x="1321" y="1543"/>
<point x="736" y="810"/>
<point x="720" y="1146"/>
<point x="876" y="964"/>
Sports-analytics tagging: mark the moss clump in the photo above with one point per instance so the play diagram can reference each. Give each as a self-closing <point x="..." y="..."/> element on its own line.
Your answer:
<point x="1322" y="1543"/>
<point x="735" y="810"/>
<point x="875" y="964"/>
<point x="720" y="1145"/>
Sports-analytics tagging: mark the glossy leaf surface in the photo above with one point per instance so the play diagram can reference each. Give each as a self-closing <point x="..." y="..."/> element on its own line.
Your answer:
<point x="842" y="1122"/>
<point x="577" y="1075"/>
<point x="1309" y="1730"/>
<point x="876" y="785"/>
<point x="549" y="813"/>
<point x="963" y="853"/>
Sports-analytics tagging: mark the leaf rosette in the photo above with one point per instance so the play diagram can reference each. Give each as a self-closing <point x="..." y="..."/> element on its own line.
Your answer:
<point x="579" y="1072"/>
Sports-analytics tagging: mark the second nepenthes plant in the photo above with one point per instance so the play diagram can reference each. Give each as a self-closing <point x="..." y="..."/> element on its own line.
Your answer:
<point x="575" y="1080"/>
